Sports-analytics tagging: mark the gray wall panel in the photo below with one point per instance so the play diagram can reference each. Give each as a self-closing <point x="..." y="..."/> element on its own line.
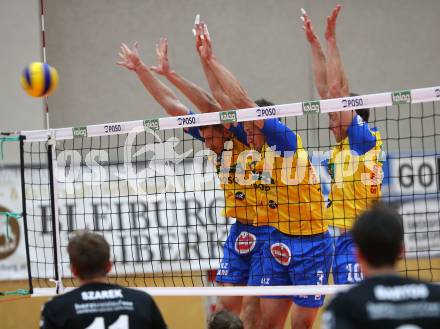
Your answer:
<point x="386" y="45"/>
<point x="20" y="40"/>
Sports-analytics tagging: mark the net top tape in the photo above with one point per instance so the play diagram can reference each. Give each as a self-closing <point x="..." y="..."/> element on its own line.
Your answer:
<point x="258" y="113"/>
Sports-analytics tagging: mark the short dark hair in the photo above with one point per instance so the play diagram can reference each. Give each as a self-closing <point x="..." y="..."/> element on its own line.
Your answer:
<point x="225" y="320"/>
<point x="89" y="253"/>
<point x="263" y="102"/>
<point x="378" y="234"/>
<point x="363" y="113"/>
<point x="215" y="126"/>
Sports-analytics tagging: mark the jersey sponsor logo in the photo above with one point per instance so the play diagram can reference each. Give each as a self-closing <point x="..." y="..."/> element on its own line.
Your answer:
<point x="79" y="131"/>
<point x="240" y="195"/>
<point x="437" y="92"/>
<point x="229" y="180"/>
<point x="311" y="107"/>
<point x="266" y="112"/>
<point x="352" y="102"/>
<point x="273" y="204"/>
<point x="245" y="243"/>
<point x="262" y="187"/>
<point x="228" y="116"/>
<point x="402" y="311"/>
<point x="331" y="170"/>
<point x="263" y="176"/>
<point x="152" y="124"/>
<point x="281" y="253"/>
<point x="405" y="292"/>
<point x="401" y="97"/>
<point x="103" y="294"/>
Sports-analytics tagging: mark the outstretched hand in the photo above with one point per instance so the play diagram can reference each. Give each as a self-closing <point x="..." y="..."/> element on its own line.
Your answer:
<point x="330" y="32"/>
<point x="308" y="27"/>
<point x="198" y="36"/>
<point x="163" y="65"/>
<point x="130" y="57"/>
<point x="203" y="41"/>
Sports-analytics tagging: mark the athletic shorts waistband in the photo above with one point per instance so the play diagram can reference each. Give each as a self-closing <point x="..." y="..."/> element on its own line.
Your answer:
<point x="305" y="236"/>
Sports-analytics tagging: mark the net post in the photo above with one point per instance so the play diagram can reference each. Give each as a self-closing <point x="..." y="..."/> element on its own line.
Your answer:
<point x="52" y="161"/>
<point x="24" y="214"/>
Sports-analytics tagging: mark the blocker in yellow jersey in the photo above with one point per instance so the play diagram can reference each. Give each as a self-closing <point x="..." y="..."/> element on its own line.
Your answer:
<point x="355" y="167"/>
<point x="356" y="175"/>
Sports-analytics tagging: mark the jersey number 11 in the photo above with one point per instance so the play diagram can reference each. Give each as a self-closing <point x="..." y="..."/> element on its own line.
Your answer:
<point x="120" y="323"/>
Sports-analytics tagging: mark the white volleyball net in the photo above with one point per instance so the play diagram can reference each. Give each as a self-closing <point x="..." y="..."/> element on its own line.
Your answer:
<point x="154" y="192"/>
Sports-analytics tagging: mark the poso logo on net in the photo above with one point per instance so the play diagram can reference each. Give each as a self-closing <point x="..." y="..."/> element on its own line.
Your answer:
<point x="352" y="102"/>
<point x="266" y="112"/>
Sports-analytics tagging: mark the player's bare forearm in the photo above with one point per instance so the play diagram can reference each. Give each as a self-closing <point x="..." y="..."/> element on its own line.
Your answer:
<point x="230" y="85"/>
<point x="204" y="50"/>
<point x="318" y="57"/>
<point x="196" y="95"/>
<point x="215" y="87"/>
<point x="319" y="70"/>
<point x="160" y="92"/>
<point x="337" y="80"/>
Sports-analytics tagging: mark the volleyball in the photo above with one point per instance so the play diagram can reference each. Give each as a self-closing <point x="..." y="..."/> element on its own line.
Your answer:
<point x="39" y="79"/>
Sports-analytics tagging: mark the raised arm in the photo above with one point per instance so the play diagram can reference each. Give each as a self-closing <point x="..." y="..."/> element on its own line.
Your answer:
<point x="228" y="82"/>
<point x="196" y="95"/>
<point x="130" y="59"/>
<point x="319" y="64"/>
<point x="336" y="78"/>
<point x="214" y="85"/>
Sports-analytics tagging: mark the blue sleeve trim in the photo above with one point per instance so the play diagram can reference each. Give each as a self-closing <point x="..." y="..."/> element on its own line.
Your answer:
<point x="194" y="131"/>
<point x="239" y="133"/>
<point x="360" y="136"/>
<point x="279" y="135"/>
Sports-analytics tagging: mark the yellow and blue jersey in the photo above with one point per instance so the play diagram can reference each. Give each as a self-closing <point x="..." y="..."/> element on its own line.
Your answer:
<point x="292" y="202"/>
<point x="240" y="199"/>
<point x="355" y="167"/>
<point x="284" y="191"/>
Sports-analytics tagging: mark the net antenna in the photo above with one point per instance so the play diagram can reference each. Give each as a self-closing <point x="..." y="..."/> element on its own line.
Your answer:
<point x="43" y="57"/>
<point x="53" y="168"/>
